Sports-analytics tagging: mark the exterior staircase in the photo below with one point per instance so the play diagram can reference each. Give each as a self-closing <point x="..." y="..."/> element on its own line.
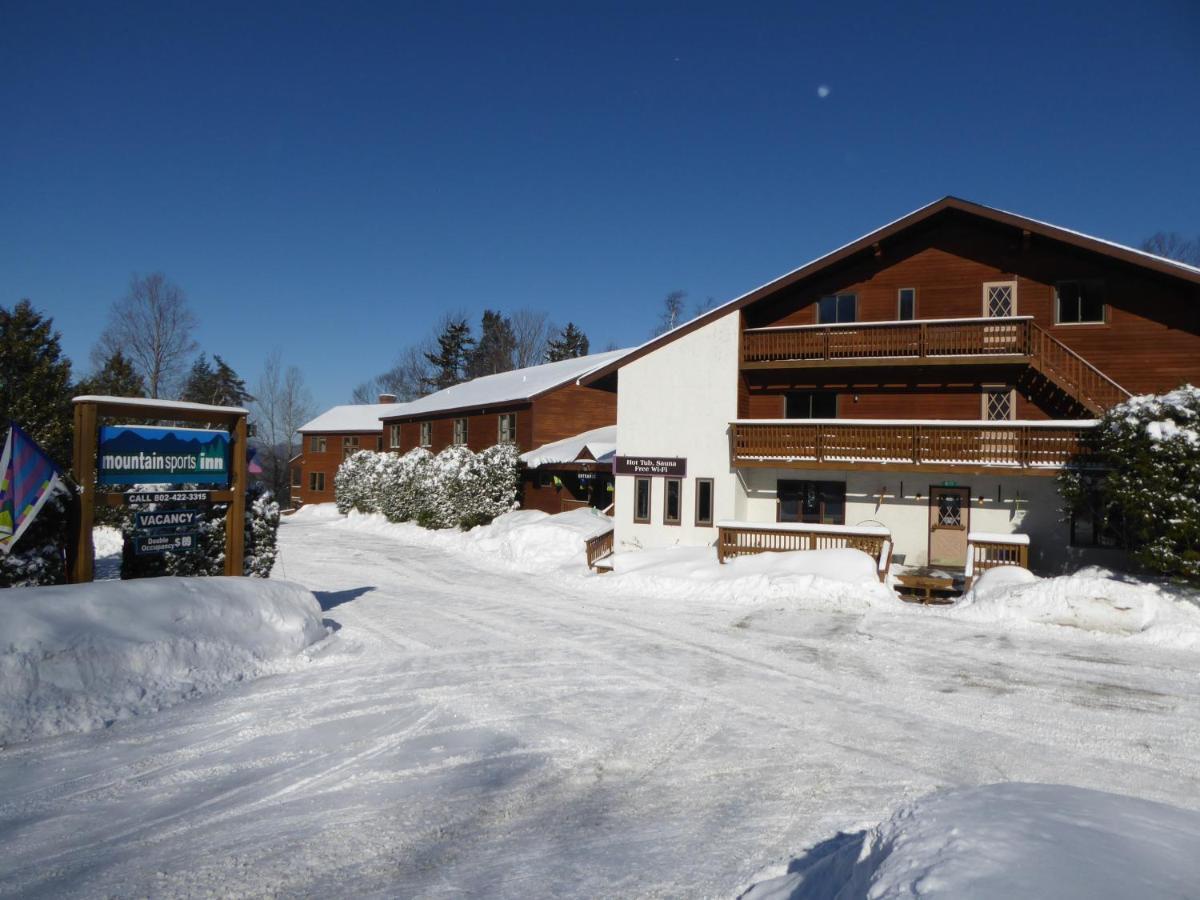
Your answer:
<point x="1073" y="375"/>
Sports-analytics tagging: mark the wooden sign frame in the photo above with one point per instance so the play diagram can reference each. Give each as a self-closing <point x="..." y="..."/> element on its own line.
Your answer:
<point x="88" y="411"/>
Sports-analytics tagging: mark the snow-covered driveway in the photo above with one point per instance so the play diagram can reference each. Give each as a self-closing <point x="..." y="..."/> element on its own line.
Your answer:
<point x="471" y="731"/>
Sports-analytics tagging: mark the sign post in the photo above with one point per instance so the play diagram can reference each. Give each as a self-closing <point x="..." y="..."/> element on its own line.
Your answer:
<point x="216" y="458"/>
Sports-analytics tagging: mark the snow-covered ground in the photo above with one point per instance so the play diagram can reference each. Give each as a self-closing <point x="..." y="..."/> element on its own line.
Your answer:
<point x="486" y="725"/>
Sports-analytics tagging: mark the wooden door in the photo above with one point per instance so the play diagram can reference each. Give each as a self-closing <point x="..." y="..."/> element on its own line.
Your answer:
<point x="949" y="519"/>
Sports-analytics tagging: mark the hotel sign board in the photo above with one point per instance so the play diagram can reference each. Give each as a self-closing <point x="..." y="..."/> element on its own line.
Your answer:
<point x="136" y="454"/>
<point x="153" y="544"/>
<point x="663" y="466"/>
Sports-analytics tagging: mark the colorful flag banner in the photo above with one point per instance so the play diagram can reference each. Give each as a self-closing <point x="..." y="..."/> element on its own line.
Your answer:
<point x="28" y="477"/>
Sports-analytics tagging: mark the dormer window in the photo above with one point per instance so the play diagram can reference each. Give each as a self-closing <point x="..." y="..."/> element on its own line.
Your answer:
<point x="1077" y="302"/>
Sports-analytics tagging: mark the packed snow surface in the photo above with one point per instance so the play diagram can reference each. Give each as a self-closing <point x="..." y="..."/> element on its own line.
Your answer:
<point x="1001" y="841"/>
<point x="473" y="729"/>
<point x="77" y="657"/>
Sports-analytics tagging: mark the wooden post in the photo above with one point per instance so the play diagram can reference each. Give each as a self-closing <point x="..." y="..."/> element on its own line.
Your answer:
<point x="235" y="515"/>
<point x="85" y="475"/>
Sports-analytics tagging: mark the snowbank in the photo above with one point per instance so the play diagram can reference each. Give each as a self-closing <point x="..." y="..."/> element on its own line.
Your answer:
<point x="536" y="542"/>
<point x="1091" y="599"/>
<point x="316" y="511"/>
<point x="527" y="539"/>
<point x="1003" y="841"/>
<point x="77" y="657"/>
<point x="830" y="577"/>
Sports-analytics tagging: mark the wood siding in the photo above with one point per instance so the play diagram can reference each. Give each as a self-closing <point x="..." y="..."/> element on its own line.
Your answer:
<point x="483" y="428"/>
<point x="326" y="463"/>
<point x="1150" y="340"/>
<point x="570" y="410"/>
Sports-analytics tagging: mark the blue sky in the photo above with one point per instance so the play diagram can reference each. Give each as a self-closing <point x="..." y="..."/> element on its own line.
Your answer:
<point x="328" y="179"/>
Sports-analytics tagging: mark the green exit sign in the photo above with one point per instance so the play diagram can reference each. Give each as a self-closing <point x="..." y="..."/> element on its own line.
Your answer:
<point x="949" y="484"/>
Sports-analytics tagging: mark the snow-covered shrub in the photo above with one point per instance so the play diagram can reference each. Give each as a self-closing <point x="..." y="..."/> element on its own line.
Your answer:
<point x="456" y="488"/>
<point x="39" y="557"/>
<point x="1147" y="451"/>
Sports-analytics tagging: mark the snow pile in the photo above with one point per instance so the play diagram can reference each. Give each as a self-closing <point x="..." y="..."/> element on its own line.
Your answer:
<point x="107" y="541"/>
<point x="1002" y="841"/>
<point x="316" y="512"/>
<point x="835" y="578"/>
<point x="527" y="539"/>
<point x="1092" y="599"/>
<point x="77" y="657"/>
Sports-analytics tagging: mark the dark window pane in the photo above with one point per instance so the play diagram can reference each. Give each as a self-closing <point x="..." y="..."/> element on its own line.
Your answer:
<point x="827" y="312"/>
<point x="672" y="511"/>
<point x="704" y="502"/>
<point x="642" y="500"/>
<point x="824" y="405"/>
<point x="908" y="302"/>
<point x="846" y="308"/>
<point x="1091" y="307"/>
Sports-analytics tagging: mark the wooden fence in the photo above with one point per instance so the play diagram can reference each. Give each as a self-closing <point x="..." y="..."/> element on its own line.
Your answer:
<point x="745" y="539"/>
<point x="599" y="546"/>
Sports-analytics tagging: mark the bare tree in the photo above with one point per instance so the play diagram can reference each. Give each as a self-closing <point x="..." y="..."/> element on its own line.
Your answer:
<point x="152" y="326"/>
<point x="407" y="379"/>
<point x="282" y="403"/>
<point x="672" y="314"/>
<point x="1173" y="245"/>
<point x="532" y="330"/>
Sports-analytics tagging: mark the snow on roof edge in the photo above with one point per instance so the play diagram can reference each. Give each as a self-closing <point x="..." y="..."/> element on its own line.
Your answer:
<point x="165" y="404"/>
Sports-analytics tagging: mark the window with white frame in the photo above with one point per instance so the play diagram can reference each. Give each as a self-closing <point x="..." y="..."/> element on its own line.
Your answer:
<point x="507" y="429"/>
<point x="349" y="444"/>
<point x="316" y="481"/>
<point x="998" y="404"/>
<point x="1000" y="299"/>
<point x="316" y="443"/>
<point x="426" y="434"/>
<point x="460" y="431"/>
<point x="837" y="308"/>
<point x="906" y="304"/>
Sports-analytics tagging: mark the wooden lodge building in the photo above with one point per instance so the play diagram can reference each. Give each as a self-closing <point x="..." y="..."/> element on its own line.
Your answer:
<point x="532" y="408"/>
<point x="562" y="429"/>
<point x="924" y="382"/>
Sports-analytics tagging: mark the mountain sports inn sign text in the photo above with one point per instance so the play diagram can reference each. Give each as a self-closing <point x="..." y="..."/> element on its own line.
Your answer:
<point x="131" y="454"/>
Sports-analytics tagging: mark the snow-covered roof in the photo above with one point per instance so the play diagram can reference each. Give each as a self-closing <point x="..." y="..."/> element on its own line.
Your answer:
<point x="353" y="417"/>
<point x="181" y="405"/>
<point x="508" y="387"/>
<point x="601" y="443"/>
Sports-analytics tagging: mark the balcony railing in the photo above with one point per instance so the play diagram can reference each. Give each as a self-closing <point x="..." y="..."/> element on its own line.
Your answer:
<point x="1037" y="447"/>
<point x="916" y="339"/>
<point x="1013" y="340"/>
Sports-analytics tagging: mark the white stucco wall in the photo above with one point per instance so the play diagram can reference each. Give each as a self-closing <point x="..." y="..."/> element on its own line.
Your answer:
<point x="678" y="401"/>
<point x="999" y="504"/>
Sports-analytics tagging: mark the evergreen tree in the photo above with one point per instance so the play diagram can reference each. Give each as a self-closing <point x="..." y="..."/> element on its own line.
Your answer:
<point x="201" y="383"/>
<point x="450" y="360"/>
<point x="571" y="343"/>
<point x="116" y="378"/>
<point x="497" y="344"/>
<point x="230" y="390"/>
<point x="35" y="380"/>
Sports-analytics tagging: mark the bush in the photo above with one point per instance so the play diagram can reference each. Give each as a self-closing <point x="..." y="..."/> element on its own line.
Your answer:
<point x="456" y="488"/>
<point x="1147" y="451"/>
<point x="39" y="557"/>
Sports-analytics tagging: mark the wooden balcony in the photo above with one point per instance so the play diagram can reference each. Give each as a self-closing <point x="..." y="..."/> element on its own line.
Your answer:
<point x="1015" y="340"/>
<point x="1037" y="448"/>
<point x="928" y="342"/>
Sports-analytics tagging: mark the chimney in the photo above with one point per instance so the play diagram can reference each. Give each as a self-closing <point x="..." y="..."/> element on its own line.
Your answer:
<point x="387" y="398"/>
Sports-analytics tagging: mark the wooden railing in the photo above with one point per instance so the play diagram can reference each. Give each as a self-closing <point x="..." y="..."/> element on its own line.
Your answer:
<point x="598" y="546"/>
<point x="943" y="340"/>
<point x="744" y="538"/>
<point x="849" y="444"/>
<point x="1073" y="373"/>
<point x="915" y="339"/>
<point x="988" y="551"/>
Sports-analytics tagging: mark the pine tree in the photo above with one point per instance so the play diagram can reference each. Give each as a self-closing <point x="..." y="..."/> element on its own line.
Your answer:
<point x="116" y="378"/>
<point x="497" y="344"/>
<point x="201" y="383"/>
<point x="450" y="360"/>
<point x="571" y="343"/>
<point x="35" y="380"/>
<point x="230" y="390"/>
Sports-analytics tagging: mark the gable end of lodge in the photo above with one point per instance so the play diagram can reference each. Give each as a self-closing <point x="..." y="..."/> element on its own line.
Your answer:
<point x="923" y="379"/>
